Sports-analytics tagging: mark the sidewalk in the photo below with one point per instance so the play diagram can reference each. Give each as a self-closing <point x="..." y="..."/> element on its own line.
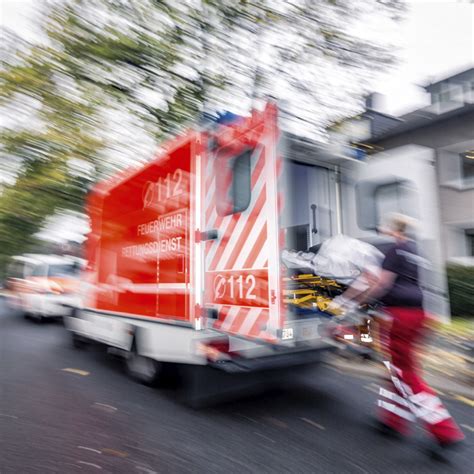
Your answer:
<point x="447" y="362"/>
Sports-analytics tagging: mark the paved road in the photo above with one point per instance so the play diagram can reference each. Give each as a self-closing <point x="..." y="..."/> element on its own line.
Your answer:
<point x="96" y="420"/>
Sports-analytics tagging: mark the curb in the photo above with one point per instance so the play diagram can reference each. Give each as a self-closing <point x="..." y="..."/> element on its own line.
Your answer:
<point x="445" y="386"/>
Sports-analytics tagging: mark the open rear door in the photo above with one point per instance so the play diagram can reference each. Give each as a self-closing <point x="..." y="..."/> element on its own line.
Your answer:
<point x="240" y="215"/>
<point x="402" y="180"/>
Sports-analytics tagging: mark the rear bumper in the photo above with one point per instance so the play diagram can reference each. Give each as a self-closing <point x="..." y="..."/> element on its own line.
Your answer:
<point x="280" y="359"/>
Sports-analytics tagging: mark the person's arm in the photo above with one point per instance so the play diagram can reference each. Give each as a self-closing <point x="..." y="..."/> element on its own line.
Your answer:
<point x="360" y="286"/>
<point x="354" y="295"/>
<point x="380" y="287"/>
<point x="387" y="277"/>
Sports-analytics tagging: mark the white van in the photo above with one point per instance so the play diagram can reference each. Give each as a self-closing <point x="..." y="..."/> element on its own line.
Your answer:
<point x="43" y="286"/>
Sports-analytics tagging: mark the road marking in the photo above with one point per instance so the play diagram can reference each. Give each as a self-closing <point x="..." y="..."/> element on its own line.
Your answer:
<point x="9" y="416"/>
<point x="72" y="465"/>
<point x="145" y="469"/>
<point x="313" y="423"/>
<point x="76" y="371"/>
<point x="105" y="407"/>
<point x="357" y="466"/>
<point x="248" y="418"/>
<point x="263" y="436"/>
<point x="465" y="400"/>
<point x="470" y="428"/>
<point x="276" y="422"/>
<point x="114" y="452"/>
<point x="89" y="449"/>
<point x="89" y="464"/>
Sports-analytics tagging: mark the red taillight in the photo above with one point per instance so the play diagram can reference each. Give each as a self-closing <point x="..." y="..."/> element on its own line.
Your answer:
<point x="215" y="350"/>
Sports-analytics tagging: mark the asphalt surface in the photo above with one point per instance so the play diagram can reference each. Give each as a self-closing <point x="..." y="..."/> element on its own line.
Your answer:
<point x="94" y="419"/>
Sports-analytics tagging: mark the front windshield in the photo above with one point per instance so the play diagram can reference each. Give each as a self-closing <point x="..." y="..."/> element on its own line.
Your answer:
<point x="63" y="270"/>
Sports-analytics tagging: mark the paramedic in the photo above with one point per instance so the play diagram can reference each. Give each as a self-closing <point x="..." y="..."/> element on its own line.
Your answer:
<point x="408" y="397"/>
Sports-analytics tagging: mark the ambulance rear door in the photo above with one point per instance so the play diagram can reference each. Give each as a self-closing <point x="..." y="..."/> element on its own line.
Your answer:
<point x="400" y="180"/>
<point x="240" y="228"/>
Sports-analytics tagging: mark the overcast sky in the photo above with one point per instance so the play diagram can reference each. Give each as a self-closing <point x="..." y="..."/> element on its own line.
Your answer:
<point x="438" y="37"/>
<point x="439" y="41"/>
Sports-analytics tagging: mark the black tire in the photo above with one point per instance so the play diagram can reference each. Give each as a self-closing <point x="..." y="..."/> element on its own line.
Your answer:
<point x="143" y="369"/>
<point x="78" y="341"/>
<point x="37" y="318"/>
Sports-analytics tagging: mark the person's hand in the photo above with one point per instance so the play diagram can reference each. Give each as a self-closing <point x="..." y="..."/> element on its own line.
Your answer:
<point x="337" y="306"/>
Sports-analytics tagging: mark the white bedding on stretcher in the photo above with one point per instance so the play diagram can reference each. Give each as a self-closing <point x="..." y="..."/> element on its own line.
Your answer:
<point x="341" y="257"/>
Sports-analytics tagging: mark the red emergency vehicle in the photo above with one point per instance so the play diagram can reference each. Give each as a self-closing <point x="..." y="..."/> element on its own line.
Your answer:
<point x="184" y="253"/>
<point x="184" y="258"/>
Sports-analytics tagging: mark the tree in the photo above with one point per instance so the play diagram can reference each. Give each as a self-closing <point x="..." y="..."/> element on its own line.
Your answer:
<point x="156" y="65"/>
<point x="164" y="60"/>
<point x="52" y="129"/>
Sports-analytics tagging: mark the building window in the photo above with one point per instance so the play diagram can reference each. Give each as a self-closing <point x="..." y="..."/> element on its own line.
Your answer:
<point x="396" y="197"/>
<point x="467" y="160"/>
<point x="456" y="169"/>
<point x="375" y="201"/>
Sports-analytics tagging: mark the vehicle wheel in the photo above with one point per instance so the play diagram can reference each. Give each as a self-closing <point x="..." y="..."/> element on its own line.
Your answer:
<point x="37" y="318"/>
<point x="143" y="369"/>
<point x="78" y="341"/>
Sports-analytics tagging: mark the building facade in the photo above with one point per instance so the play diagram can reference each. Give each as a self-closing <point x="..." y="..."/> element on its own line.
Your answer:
<point x="447" y="127"/>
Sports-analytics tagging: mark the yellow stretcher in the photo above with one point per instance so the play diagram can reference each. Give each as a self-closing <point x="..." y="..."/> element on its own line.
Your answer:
<point x="313" y="280"/>
<point x="309" y="291"/>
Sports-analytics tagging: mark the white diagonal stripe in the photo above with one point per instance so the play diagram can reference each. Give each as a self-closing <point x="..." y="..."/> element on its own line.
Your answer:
<point x="217" y="243"/>
<point x="393" y="396"/>
<point x="396" y="410"/>
<point x="212" y="219"/>
<point x="252" y="238"/>
<point x="243" y="219"/>
<point x="263" y="255"/>
<point x="229" y="319"/>
<point x="210" y="193"/>
<point x="210" y="161"/>
<point x="250" y="319"/>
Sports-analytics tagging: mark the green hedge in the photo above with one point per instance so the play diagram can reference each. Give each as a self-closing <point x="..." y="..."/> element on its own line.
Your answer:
<point x="461" y="289"/>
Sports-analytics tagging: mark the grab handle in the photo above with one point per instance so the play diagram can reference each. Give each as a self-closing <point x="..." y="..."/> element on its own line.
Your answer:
<point x="314" y="230"/>
<point x="210" y="234"/>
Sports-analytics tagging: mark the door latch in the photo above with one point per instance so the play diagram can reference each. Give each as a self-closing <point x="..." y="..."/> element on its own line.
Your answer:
<point x="210" y="234"/>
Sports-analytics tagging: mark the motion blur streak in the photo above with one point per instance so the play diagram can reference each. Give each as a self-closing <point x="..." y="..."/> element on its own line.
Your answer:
<point x="212" y="197"/>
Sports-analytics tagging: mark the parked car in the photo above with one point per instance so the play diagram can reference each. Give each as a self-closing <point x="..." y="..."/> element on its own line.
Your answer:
<point x="44" y="286"/>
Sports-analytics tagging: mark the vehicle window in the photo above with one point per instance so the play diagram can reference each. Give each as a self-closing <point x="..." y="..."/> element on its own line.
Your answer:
<point x="233" y="183"/>
<point x="38" y="271"/>
<point x="395" y="197"/>
<point x="376" y="200"/>
<point x="63" y="270"/>
<point x="15" y="270"/>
